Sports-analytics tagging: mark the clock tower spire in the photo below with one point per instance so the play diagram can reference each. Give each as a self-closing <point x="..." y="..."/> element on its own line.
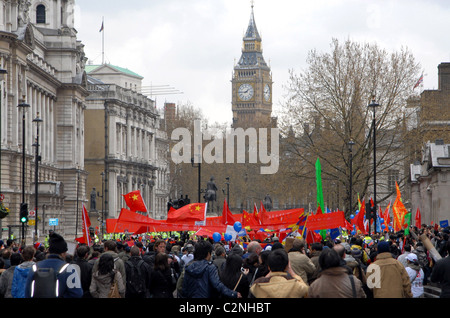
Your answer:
<point x="252" y="83"/>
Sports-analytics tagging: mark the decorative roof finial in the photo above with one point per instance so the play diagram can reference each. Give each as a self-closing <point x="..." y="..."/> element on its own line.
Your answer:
<point x="253" y="3"/>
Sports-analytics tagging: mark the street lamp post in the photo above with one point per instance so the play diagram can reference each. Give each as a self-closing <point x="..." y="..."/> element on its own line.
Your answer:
<point x="351" y="143"/>
<point x="38" y="121"/>
<point x="228" y="190"/>
<point x="103" y="200"/>
<point x="23" y="105"/>
<point x="374" y="105"/>
<point x="2" y="77"/>
<point x="199" y="166"/>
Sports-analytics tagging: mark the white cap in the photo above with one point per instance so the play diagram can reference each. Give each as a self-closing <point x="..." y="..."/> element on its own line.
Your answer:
<point x="411" y="257"/>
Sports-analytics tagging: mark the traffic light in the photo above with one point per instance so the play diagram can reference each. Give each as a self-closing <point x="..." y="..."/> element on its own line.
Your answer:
<point x="368" y="211"/>
<point x="24" y="213"/>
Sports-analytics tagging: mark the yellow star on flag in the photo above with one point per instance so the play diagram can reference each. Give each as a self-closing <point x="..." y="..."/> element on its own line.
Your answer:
<point x="134" y="197"/>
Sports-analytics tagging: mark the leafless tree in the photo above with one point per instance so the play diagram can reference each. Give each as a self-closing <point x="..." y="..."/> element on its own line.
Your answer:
<point x="327" y="106"/>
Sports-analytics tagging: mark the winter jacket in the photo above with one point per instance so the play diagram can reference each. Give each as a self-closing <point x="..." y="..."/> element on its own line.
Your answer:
<point x="315" y="260"/>
<point x="85" y="268"/>
<point x="6" y="282"/>
<point x="279" y="285"/>
<point x="441" y="274"/>
<point x="335" y="282"/>
<point x="20" y="279"/>
<point x="201" y="280"/>
<point x="301" y="265"/>
<point x="161" y="285"/>
<point x="118" y="264"/>
<point x="69" y="279"/>
<point x="101" y="284"/>
<point x="388" y="278"/>
<point x="421" y="256"/>
<point x="145" y="271"/>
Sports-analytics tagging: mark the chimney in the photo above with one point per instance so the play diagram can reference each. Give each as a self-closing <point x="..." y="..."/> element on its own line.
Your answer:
<point x="444" y="76"/>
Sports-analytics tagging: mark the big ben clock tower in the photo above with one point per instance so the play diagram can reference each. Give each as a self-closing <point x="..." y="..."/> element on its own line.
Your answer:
<point x="252" y="83"/>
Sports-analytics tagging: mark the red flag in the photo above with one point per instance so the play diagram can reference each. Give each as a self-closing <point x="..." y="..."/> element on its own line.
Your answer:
<point x="319" y="210"/>
<point x="227" y="216"/>
<point x="418" y="219"/>
<point x="256" y="215"/>
<point x="86" y="239"/>
<point x="386" y="216"/>
<point x="313" y="237"/>
<point x="135" y="202"/>
<point x="358" y="220"/>
<point x="248" y="219"/>
<point x="326" y="221"/>
<point x="399" y="211"/>
<point x="189" y="213"/>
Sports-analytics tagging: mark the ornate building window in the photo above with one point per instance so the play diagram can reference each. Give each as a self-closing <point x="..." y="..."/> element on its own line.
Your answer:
<point x="393" y="176"/>
<point x="40" y="14"/>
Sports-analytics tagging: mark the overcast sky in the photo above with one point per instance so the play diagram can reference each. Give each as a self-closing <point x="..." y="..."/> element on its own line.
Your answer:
<point x="192" y="45"/>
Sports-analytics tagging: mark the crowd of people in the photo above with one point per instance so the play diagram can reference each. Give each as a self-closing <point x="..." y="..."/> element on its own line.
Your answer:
<point x="383" y="265"/>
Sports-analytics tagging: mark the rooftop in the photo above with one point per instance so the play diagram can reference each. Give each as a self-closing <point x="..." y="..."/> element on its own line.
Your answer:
<point x="91" y="68"/>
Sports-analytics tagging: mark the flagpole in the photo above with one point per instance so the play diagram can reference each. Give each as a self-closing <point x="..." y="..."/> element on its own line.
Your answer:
<point x="103" y="40"/>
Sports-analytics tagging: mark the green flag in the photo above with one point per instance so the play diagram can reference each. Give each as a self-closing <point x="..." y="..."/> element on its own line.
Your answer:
<point x="319" y="185"/>
<point x="320" y="202"/>
<point x="408" y="217"/>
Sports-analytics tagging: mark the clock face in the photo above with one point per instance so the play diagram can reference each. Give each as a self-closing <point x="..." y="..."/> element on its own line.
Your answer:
<point x="246" y="92"/>
<point x="267" y="92"/>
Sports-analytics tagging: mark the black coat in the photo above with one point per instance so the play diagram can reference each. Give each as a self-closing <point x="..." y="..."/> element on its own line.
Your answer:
<point x="161" y="285"/>
<point x="85" y="275"/>
<point x="145" y="272"/>
<point x="441" y="274"/>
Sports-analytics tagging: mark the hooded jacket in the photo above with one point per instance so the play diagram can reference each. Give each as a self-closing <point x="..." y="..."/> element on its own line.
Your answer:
<point x="118" y="264"/>
<point x="20" y="279"/>
<point x="201" y="280"/>
<point x="388" y="278"/>
<point x="101" y="284"/>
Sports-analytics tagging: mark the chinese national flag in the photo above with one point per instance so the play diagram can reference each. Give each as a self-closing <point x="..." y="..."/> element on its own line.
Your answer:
<point x="227" y="216"/>
<point x="189" y="213"/>
<point x="86" y="239"/>
<point x="135" y="202"/>
<point x="248" y="220"/>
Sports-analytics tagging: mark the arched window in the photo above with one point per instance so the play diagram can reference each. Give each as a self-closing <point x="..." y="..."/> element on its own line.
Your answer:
<point x="40" y="14"/>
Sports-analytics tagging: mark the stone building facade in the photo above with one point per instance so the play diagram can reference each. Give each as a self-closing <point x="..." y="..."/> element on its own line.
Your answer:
<point x="125" y="147"/>
<point x="44" y="62"/>
<point x="430" y="183"/>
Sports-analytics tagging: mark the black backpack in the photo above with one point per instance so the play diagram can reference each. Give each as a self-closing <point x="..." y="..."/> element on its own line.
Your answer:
<point x="135" y="280"/>
<point x="45" y="282"/>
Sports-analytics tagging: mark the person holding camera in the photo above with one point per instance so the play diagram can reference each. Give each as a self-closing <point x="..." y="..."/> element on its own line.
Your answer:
<point x="281" y="282"/>
<point x="163" y="279"/>
<point x="234" y="276"/>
